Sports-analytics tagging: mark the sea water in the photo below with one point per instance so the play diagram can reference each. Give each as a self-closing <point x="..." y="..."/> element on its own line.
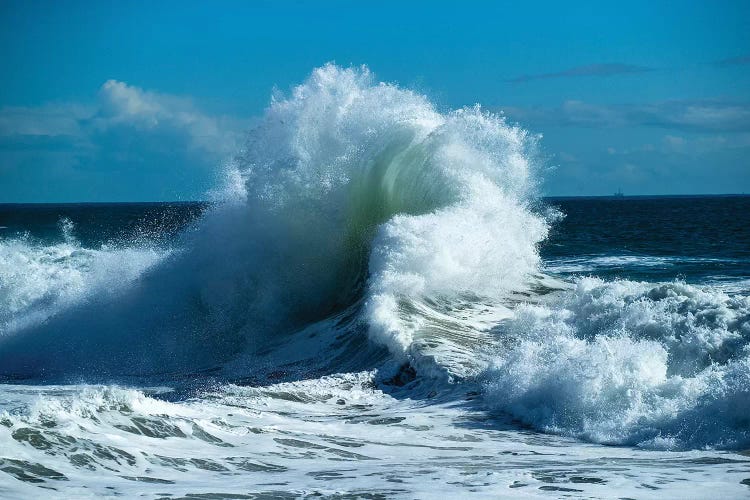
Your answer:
<point x="378" y="302"/>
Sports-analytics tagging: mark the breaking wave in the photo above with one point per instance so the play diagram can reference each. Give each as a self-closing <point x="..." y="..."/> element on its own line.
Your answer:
<point x="360" y="228"/>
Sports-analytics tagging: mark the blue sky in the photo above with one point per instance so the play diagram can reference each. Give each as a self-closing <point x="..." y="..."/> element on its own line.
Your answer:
<point x="115" y="101"/>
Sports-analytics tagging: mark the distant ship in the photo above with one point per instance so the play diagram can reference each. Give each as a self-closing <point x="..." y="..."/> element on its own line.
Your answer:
<point x="619" y="193"/>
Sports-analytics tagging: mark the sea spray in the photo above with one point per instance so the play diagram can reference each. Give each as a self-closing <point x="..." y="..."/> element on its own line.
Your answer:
<point x="38" y="280"/>
<point x="343" y="169"/>
<point x="361" y="229"/>
<point x="622" y="362"/>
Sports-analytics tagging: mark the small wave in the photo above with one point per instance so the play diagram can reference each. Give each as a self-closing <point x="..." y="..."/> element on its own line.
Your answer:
<point x="585" y="264"/>
<point x="38" y="280"/>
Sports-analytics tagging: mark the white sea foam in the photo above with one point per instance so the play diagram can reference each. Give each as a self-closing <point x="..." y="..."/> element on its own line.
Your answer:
<point x="327" y="437"/>
<point x="39" y="280"/>
<point x="361" y="230"/>
<point x="654" y="365"/>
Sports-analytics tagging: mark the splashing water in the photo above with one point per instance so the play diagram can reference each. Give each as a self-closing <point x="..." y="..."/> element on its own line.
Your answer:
<point x="371" y="263"/>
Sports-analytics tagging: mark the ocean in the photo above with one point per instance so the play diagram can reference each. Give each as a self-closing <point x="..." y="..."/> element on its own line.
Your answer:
<point x="380" y="303"/>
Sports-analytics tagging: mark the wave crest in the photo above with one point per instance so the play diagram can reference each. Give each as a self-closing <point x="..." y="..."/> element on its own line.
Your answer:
<point x="343" y="169"/>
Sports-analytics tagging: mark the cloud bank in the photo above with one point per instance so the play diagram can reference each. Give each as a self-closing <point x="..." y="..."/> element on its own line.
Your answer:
<point x="675" y="146"/>
<point x="127" y="137"/>
<point x="695" y="115"/>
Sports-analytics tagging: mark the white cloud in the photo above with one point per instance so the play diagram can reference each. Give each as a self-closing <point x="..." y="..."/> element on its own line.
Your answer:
<point x="125" y="105"/>
<point x="699" y="116"/>
<point x="126" y="137"/>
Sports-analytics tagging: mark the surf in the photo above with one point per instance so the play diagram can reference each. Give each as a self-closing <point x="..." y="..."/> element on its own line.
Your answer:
<point x="360" y="229"/>
<point x="349" y="193"/>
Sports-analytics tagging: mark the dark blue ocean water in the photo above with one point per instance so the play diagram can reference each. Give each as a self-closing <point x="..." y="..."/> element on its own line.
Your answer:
<point x="694" y="238"/>
<point x="95" y="224"/>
